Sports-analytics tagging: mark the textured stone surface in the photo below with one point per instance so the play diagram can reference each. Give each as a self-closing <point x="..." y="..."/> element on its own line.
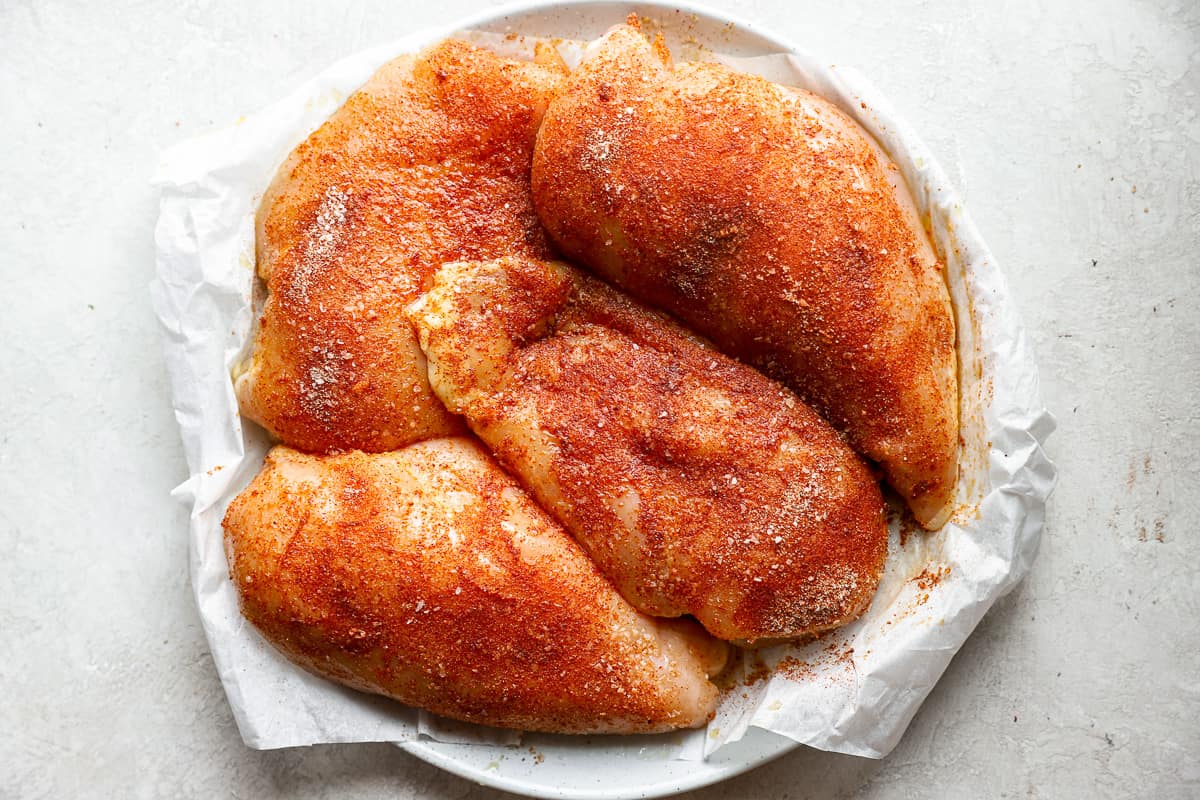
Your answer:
<point x="1072" y="129"/>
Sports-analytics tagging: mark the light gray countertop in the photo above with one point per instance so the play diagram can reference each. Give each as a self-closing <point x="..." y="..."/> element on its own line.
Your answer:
<point x="1071" y="128"/>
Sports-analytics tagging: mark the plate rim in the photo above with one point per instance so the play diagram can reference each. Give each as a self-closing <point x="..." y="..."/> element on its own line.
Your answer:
<point x="428" y="751"/>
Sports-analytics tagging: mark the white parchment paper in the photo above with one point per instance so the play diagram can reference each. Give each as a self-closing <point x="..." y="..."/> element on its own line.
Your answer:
<point x="854" y="691"/>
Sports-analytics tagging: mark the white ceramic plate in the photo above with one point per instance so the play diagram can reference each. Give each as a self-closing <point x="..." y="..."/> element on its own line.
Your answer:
<point x="614" y="767"/>
<point x="205" y="235"/>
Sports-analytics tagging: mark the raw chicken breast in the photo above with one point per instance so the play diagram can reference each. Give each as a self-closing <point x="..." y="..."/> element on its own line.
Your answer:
<point x="768" y="221"/>
<point x="427" y="162"/>
<point x="429" y="576"/>
<point x="696" y="484"/>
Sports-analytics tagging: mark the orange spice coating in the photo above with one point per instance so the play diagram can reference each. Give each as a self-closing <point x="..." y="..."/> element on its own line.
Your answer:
<point x="428" y="576"/>
<point x="697" y="485"/>
<point x="428" y="162"/>
<point x="764" y="218"/>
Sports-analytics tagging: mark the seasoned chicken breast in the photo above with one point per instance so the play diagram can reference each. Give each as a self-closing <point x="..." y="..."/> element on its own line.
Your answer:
<point x="767" y="220"/>
<point x="428" y="162"/>
<point x="695" y="483"/>
<point x="429" y="576"/>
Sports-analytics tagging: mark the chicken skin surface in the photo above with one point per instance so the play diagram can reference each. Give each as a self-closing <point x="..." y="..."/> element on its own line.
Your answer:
<point x="427" y="575"/>
<point x="429" y="161"/>
<point x="767" y="220"/>
<point x="696" y="484"/>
